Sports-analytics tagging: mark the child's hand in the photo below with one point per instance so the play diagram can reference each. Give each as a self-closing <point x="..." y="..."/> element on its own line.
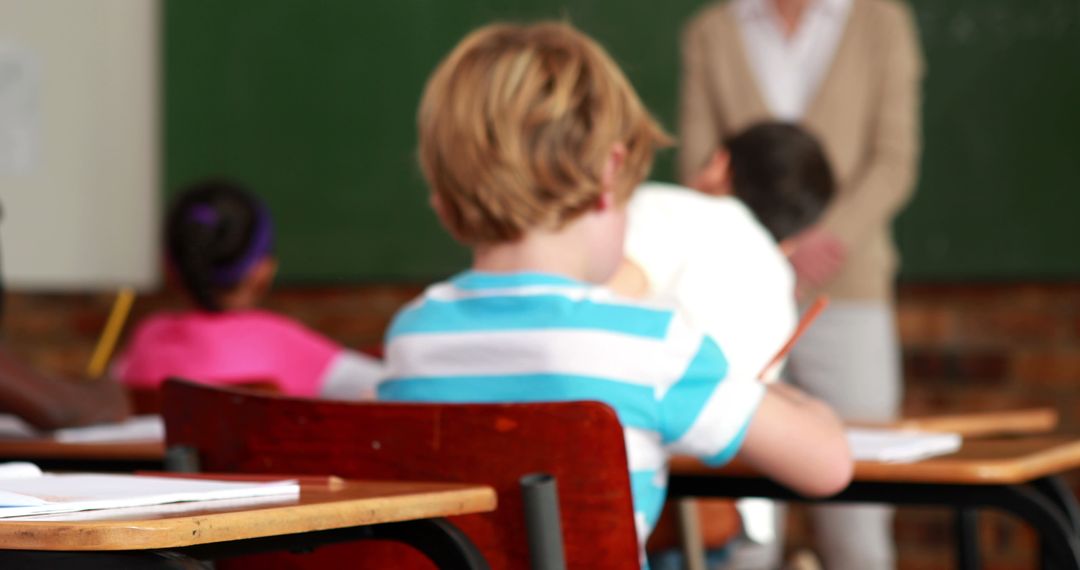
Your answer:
<point x="629" y="281"/>
<point x="817" y="257"/>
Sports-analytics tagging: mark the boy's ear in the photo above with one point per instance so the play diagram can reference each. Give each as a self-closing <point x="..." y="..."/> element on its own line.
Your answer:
<point x="445" y="218"/>
<point x="436" y="203"/>
<point x="715" y="178"/>
<point x="613" y="165"/>
<point x="722" y="160"/>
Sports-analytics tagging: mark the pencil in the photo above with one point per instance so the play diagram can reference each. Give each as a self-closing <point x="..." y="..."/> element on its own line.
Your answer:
<point x="807" y="319"/>
<point x="332" y="481"/>
<point x="111" y="333"/>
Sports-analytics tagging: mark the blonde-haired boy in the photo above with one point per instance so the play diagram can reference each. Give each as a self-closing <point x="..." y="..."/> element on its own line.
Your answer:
<point x="532" y="140"/>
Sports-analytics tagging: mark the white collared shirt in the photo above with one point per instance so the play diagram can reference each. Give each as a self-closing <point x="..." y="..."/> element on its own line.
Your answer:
<point x="789" y="70"/>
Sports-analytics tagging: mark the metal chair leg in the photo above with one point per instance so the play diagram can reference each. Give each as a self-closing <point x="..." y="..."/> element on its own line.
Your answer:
<point x="693" y="547"/>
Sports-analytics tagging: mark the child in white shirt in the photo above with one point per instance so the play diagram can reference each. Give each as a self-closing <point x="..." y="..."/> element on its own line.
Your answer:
<point x="719" y="254"/>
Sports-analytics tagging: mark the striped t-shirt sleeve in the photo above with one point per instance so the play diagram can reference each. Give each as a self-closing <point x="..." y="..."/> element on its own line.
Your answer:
<point x="704" y="413"/>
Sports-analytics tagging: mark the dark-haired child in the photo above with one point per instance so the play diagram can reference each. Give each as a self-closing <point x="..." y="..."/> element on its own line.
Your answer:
<point x="720" y="254"/>
<point x="779" y="170"/>
<point x="219" y="239"/>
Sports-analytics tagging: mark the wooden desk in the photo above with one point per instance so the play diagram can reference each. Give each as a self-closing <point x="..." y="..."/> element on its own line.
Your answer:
<point x="52" y="455"/>
<point x="1031" y="421"/>
<point x="1018" y="475"/>
<point x="137" y="445"/>
<point x="355" y="510"/>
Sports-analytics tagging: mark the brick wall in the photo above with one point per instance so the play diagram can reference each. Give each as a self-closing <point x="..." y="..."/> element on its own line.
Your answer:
<point x="988" y="347"/>
<point x="984" y="348"/>
<point x="966" y="347"/>
<point x="58" y="332"/>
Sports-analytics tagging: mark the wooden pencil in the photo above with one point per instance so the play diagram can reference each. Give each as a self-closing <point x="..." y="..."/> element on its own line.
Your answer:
<point x="111" y="333"/>
<point x="807" y="319"/>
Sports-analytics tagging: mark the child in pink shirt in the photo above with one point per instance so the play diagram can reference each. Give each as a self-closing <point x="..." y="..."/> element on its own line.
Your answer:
<point x="219" y="239"/>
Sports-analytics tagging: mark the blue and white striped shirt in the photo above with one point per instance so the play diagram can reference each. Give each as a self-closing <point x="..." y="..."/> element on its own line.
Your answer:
<point x="530" y="337"/>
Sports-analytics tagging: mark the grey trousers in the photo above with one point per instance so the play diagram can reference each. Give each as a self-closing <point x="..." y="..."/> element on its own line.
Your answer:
<point x="850" y="358"/>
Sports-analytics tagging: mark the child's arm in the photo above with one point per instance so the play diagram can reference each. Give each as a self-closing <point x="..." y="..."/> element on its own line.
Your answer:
<point x="781" y="432"/>
<point x="352" y="376"/>
<point x="798" y="441"/>
<point x="47" y="402"/>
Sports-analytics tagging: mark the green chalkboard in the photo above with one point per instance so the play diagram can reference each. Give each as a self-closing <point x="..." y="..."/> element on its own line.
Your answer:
<point x="999" y="196"/>
<point x="312" y="103"/>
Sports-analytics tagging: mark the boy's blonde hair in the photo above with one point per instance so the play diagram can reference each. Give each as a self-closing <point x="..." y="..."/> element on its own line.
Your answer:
<point x="516" y="125"/>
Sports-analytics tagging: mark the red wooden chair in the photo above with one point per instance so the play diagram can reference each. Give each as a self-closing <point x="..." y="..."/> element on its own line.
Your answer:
<point x="580" y="443"/>
<point x="150" y="400"/>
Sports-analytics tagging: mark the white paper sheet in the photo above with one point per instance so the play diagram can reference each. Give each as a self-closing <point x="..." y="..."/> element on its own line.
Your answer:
<point x="899" y="446"/>
<point x="138" y="428"/>
<point x="58" y="493"/>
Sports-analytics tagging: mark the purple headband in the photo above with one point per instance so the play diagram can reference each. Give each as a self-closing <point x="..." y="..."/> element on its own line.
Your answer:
<point x="259" y="246"/>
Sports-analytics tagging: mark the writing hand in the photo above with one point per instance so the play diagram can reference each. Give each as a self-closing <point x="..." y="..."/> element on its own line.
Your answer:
<point x="817" y="257"/>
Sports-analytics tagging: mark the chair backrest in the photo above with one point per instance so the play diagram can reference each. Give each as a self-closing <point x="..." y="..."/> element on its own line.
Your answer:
<point x="150" y="400"/>
<point x="580" y="443"/>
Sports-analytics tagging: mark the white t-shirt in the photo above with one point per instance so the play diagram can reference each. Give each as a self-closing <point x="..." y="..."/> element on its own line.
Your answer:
<point x="711" y="257"/>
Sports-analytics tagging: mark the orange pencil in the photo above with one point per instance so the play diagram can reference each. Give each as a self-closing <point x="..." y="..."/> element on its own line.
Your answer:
<point x="332" y="481"/>
<point x="807" y="319"/>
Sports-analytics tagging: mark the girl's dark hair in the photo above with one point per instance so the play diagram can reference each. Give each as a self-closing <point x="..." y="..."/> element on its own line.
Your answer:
<point x="780" y="172"/>
<point x="210" y="232"/>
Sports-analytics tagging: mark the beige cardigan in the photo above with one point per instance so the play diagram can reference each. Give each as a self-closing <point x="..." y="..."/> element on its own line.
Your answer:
<point x="866" y="113"/>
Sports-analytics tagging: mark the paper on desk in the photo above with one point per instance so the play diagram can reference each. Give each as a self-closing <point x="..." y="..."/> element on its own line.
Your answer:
<point x="138" y="428"/>
<point x="165" y="510"/>
<point x="18" y="470"/>
<point x="13" y="427"/>
<point x="58" y="493"/>
<point x="899" y="446"/>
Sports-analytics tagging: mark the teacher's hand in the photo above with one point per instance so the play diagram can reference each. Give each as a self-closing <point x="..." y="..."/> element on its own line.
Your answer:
<point x="817" y="256"/>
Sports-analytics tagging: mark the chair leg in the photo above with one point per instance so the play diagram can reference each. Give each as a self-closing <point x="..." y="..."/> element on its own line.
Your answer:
<point x="693" y="547"/>
<point x="543" y="524"/>
<point x="966" y="524"/>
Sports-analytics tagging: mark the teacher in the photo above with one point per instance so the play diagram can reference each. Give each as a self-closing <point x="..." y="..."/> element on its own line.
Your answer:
<point x="850" y="72"/>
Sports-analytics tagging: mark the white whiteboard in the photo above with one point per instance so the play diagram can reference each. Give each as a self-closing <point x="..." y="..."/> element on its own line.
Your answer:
<point x="79" y="144"/>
